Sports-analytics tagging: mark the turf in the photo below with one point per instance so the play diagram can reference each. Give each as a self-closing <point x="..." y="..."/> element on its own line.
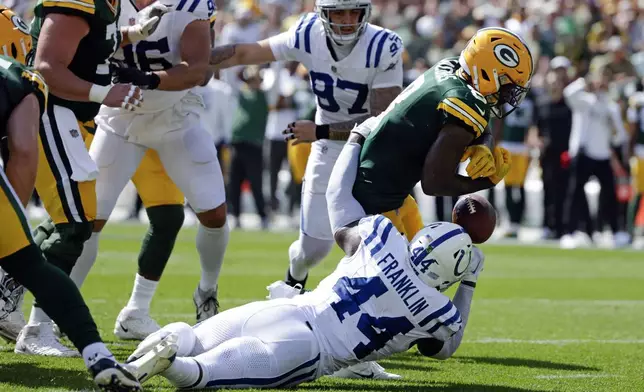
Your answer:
<point x="543" y="319"/>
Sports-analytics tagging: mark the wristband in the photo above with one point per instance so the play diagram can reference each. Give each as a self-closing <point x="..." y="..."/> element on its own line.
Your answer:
<point x="98" y="93"/>
<point x="322" y="131"/>
<point x="155" y="80"/>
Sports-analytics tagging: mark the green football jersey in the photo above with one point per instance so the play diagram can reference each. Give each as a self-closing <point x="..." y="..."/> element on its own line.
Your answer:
<point x="517" y="123"/>
<point x="392" y="158"/>
<point x="90" y="62"/>
<point x="16" y="82"/>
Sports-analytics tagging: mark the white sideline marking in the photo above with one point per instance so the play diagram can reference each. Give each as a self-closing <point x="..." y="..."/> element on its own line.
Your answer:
<point x="557" y="342"/>
<point x="579" y="375"/>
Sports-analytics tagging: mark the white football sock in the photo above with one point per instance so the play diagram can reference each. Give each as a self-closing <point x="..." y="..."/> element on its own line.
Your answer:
<point x="183" y="373"/>
<point x="37" y="316"/>
<point x="211" y="245"/>
<point x="85" y="261"/>
<point x="306" y="253"/>
<point x="142" y="293"/>
<point x="94" y="352"/>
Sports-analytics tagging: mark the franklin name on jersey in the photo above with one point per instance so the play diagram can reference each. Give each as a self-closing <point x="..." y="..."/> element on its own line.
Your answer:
<point x="374" y="305"/>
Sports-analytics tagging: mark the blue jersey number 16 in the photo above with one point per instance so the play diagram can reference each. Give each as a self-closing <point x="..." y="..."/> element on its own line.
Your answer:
<point x="354" y="292"/>
<point x="323" y="85"/>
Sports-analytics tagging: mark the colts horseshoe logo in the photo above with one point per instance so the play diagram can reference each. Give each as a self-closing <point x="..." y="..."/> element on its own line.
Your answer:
<point x="506" y="55"/>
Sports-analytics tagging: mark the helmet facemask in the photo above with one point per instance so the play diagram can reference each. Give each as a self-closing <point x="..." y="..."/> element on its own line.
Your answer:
<point x="330" y="27"/>
<point x="508" y="98"/>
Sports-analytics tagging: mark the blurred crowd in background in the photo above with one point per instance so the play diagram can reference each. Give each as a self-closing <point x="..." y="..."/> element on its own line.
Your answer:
<point x="582" y="121"/>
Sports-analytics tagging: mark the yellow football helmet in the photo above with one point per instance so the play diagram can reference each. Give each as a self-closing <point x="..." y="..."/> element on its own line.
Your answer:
<point x="500" y="66"/>
<point x="15" y="40"/>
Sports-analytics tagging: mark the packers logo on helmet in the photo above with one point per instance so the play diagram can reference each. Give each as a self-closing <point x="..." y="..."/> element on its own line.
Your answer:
<point x="15" y="40"/>
<point x="500" y="66"/>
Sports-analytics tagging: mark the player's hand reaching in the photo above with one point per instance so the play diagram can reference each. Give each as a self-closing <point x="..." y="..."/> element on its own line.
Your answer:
<point x="301" y="131"/>
<point x="124" y="96"/>
<point x="121" y="73"/>
<point x="149" y="19"/>
<point x="503" y="162"/>
<point x="482" y="162"/>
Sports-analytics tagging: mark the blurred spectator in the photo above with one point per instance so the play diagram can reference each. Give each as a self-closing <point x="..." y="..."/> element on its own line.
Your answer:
<point x="246" y="144"/>
<point x="512" y="135"/>
<point x="280" y="83"/>
<point x="635" y="117"/>
<point x="554" y="121"/>
<point x="595" y="115"/>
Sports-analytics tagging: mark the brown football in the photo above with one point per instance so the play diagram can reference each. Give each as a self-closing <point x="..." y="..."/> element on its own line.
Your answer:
<point x="476" y="215"/>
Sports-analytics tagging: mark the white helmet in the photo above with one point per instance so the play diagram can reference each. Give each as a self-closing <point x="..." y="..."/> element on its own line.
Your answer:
<point x="440" y="254"/>
<point x="323" y="7"/>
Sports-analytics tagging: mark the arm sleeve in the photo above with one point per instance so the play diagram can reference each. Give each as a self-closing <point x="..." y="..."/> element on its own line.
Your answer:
<point x="438" y="349"/>
<point x="343" y="207"/>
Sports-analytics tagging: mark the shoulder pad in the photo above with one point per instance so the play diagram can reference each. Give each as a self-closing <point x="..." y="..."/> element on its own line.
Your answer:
<point x="304" y="31"/>
<point x="468" y="106"/>
<point x="385" y="47"/>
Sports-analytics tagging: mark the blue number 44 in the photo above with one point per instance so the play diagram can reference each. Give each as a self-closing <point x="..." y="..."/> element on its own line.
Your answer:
<point x="354" y="292"/>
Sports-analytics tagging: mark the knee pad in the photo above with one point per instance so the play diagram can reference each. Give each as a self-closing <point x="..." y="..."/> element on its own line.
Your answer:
<point x="309" y="250"/>
<point x="166" y="218"/>
<point x="65" y="244"/>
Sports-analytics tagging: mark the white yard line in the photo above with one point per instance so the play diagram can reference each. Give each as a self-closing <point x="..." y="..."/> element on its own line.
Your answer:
<point x="555" y="342"/>
<point x="576" y="375"/>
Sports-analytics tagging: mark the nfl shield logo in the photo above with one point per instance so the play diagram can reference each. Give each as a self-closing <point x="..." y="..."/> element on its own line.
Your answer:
<point x="74" y="133"/>
<point x="132" y="21"/>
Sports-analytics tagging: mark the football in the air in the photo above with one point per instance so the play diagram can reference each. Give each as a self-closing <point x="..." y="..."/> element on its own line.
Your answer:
<point x="476" y="215"/>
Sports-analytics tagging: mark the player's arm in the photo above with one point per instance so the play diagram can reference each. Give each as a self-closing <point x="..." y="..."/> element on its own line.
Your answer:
<point x="439" y="349"/>
<point x="22" y="135"/>
<point x="226" y="56"/>
<point x="58" y="41"/>
<point x="439" y="172"/>
<point x="345" y="211"/>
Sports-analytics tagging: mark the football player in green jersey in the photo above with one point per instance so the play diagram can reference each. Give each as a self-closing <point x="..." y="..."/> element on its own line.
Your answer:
<point x="23" y="97"/>
<point x="431" y="127"/>
<point x="72" y="40"/>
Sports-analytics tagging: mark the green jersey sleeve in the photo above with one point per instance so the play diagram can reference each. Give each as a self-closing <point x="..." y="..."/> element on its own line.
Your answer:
<point x="465" y="107"/>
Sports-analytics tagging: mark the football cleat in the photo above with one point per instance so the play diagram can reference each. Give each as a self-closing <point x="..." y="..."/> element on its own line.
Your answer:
<point x="156" y="360"/>
<point x="110" y="376"/>
<point x="363" y="370"/>
<point x="39" y="339"/>
<point x="134" y="324"/>
<point x="206" y="303"/>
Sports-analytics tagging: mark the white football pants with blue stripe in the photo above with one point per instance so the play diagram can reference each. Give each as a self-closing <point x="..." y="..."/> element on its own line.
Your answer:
<point x="266" y="344"/>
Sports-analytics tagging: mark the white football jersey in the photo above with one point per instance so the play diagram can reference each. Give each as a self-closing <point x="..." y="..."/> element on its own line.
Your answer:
<point x="161" y="50"/>
<point x="374" y="305"/>
<point x="343" y="88"/>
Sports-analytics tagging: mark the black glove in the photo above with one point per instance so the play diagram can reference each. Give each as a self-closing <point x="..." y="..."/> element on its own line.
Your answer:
<point x="121" y="73"/>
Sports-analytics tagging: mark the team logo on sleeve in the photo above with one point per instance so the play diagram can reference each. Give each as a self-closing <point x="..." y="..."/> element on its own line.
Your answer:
<point x="506" y="55"/>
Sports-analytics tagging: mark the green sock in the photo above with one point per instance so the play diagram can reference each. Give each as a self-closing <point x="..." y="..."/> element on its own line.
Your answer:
<point x="165" y="223"/>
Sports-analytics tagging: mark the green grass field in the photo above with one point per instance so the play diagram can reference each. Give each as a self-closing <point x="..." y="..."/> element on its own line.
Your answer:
<point x="543" y="319"/>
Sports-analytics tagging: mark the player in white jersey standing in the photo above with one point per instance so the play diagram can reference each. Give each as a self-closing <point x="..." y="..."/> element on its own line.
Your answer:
<point x="356" y="71"/>
<point x="169" y="63"/>
<point x="382" y="299"/>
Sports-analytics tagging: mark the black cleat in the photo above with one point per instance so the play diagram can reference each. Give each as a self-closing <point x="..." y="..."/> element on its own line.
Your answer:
<point x="110" y="376"/>
<point x="291" y="281"/>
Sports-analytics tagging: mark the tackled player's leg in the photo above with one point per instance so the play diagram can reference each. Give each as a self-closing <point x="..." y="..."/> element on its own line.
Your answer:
<point x="258" y="345"/>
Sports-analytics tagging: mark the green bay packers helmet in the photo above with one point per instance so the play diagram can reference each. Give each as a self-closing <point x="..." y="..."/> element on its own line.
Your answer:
<point x="500" y="66"/>
<point x="15" y="40"/>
